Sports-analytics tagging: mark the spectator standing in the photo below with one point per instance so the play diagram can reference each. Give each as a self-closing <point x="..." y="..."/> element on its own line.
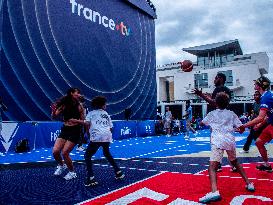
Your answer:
<point x="167" y="121"/>
<point x="188" y="117"/>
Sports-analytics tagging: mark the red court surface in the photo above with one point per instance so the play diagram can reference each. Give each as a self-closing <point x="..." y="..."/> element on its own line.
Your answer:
<point x="176" y="189"/>
<point x="250" y="169"/>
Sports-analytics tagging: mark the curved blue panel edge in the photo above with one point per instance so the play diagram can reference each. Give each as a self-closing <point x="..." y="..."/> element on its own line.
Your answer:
<point x="49" y="46"/>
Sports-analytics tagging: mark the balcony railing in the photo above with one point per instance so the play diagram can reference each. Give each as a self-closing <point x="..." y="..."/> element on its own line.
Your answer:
<point x="235" y="99"/>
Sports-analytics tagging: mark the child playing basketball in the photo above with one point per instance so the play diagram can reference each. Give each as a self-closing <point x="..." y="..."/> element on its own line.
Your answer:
<point x="222" y="123"/>
<point x="100" y="133"/>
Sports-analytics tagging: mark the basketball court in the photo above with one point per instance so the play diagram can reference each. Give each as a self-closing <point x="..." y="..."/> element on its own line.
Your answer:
<point x="159" y="170"/>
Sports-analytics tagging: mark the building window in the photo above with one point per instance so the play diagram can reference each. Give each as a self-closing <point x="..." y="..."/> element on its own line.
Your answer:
<point x="230" y="57"/>
<point x="201" y="61"/>
<point x="201" y="80"/>
<point x="223" y="60"/>
<point x="218" y="61"/>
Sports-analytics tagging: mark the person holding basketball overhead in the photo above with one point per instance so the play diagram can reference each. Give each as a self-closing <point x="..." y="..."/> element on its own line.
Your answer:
<point x="219" y="83"/>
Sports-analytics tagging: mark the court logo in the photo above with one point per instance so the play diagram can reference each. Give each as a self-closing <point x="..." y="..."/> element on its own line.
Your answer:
<point x="184" y="189"/>
<point x="96" y="17"/>
<point x="54" y="135"/>
<point x="125" y="131"/>
<point x="148" y="129"/>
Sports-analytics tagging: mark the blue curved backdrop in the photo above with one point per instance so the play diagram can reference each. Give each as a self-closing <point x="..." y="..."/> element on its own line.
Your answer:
<point x="103" y="47"/>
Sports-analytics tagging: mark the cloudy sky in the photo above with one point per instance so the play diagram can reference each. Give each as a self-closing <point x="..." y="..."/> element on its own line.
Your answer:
<point x="186" y="23"/>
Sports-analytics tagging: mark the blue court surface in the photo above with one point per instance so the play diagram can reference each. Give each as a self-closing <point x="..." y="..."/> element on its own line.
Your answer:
<point x="28" y="178"/>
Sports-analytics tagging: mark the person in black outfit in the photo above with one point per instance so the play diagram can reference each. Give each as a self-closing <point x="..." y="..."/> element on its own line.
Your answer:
<point x="219" y="83"/>
<point x="159" y="127"/>
<point x="69" y="107"/>
<point x="254" y="131"/>
<point x="127" y="113"/>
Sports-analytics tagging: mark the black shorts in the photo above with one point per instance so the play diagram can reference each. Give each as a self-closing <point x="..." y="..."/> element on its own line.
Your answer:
<point x="71" y="133"/>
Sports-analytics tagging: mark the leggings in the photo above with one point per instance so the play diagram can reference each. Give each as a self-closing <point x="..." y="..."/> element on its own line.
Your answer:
<point x="92" y="149"/>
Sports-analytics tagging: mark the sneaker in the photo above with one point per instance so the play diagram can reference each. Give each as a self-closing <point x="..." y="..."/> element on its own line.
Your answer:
<point x="81" y="148"/>
<point x="212" y="196"/>
<point x="233" y="169"/>
<point x="120" y="175"/>
<point x="60" y="169"/>
<point x="250" y="187"/>
<point x="244" y="151"/>
<point x="262" y="167"/>
<point x="70" y="175"/>
<point x="219" y="169"/>
<point x="90" y="181"/>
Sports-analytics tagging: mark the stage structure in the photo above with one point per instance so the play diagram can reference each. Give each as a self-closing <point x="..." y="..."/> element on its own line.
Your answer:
<point x="104" y="47"/>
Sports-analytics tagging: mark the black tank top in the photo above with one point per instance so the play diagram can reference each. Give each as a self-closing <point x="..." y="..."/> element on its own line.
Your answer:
<point x="71" y="111"/>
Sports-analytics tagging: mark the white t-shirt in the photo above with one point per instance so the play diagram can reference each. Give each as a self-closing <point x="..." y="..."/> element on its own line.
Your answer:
<point x="168" y="116"/>
<point x="101" y="123"/>
<point x="177" y="123"/>
<point x="222" y="123"/>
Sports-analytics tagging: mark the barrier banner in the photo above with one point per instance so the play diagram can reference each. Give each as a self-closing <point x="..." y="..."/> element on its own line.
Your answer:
<point x="44" y="134"/>
<point x="13" y="132"/>
<point x="145" y="128"/>
<point x="124" y="129"/>
<point x="47" y="133"/>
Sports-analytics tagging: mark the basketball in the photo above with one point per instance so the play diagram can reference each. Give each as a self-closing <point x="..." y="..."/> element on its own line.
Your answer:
<point x="186" y="65"/>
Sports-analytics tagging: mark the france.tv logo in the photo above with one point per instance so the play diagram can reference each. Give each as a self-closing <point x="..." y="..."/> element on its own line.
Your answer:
<point x="96" y="17"/>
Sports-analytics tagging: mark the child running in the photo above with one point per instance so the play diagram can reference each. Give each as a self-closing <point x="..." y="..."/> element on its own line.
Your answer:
<point x="100" y="131"/>
<point x="222" y="123"/>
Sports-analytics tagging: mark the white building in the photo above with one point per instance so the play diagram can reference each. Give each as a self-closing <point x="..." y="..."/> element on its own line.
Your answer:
<point x="175" y="86"/>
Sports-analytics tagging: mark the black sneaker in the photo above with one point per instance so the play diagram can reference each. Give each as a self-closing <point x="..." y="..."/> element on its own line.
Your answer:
<point x="90" y="181"/>
<point x="219" y="169"/>
<point x="120" y="175"/>
<point x="233" y="169"/>
<point x="264" y="168"/>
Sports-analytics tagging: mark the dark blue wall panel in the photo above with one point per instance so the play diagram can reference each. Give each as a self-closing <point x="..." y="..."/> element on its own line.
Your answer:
<point x="103" y="47"/>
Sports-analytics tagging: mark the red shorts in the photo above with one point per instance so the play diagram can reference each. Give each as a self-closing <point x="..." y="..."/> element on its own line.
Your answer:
<point x="267" y="134"/>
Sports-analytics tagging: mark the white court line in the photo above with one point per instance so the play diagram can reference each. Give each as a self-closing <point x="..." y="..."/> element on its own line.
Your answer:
<point x="120" y="188"/>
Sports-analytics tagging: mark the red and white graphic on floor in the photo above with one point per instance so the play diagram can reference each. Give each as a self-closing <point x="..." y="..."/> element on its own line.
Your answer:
<point x="177" y="188"/>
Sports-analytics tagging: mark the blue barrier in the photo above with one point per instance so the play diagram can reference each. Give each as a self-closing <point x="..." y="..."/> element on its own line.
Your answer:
<point x="13" y="132"/>
<point x="124" y="129"/>
<point x="145" y="128"/>
<point x="43" y="134"/>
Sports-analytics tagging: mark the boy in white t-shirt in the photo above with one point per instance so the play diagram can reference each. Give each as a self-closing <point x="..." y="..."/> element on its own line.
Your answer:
<point x="222" y="123"/>
<point x="100" y="132"/>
